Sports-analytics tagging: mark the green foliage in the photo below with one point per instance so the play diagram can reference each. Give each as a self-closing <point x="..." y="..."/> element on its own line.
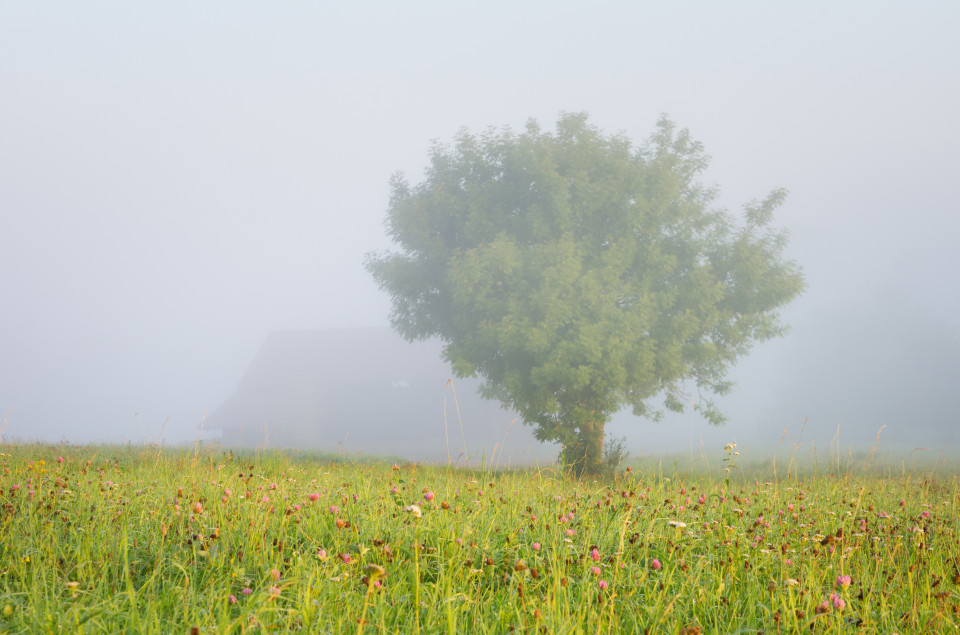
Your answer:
<point x="576" y="274"/>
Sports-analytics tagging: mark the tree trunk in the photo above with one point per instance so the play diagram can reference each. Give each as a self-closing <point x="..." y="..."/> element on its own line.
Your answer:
<point x="584" y="455"/>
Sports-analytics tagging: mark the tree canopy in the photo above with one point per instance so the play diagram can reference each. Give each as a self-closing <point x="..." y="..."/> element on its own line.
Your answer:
<point x="577" y="273"/>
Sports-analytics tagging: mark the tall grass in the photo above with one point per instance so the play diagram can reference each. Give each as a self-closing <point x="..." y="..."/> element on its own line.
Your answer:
<point x="135" y="539"/>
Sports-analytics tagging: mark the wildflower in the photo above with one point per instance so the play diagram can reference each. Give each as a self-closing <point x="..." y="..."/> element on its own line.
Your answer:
<point x="59" y="459"/>
<point x="374" y="572"/>
<point x="702" y="499"/>
<point x="677" y="523"/>
<point x="394" y="489"/>
<point x="414" y="510"/>
<point x="602" y="584"/>
<point x="536" y="546"/>
<point x="428" y="496"/>
<point x="275" y="591"/>
<point x="227" y="492"/>
<point x="232" y="598"/>
<point x="314" y="496"/>
<point x="198" y="508"/>
<point x="334" y="509"/>
<point x="595" y="555"/>
<point x="843" y="581"/>
<point x="838" y="602"/>
<point x="729" y="446"/>
<point x="595" y="570"/>
<point x="346" y="558"/>
<point x="246" y="591"/>
<point x="656" y="565"/>
<point x="322" y="554"/>
<point x="296" y="507"/>
<point x="925" y="513"/>
<point x="275" y="574"/>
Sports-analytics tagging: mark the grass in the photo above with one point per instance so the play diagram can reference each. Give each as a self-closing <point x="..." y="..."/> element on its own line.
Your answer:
<point x="128" y="539"/>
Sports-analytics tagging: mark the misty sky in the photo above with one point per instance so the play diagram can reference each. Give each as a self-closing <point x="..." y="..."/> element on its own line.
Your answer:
<point x="180" y="179"/>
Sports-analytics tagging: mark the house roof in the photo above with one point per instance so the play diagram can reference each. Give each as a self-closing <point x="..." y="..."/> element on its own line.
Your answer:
<point x="366" y="389"/>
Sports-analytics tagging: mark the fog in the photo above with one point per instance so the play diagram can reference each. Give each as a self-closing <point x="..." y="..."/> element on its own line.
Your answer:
<point x="179" y="181"/>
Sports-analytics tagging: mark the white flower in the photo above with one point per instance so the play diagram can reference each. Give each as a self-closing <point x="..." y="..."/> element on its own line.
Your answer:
<point x="677" y="523"/>
<point x="729" y="446"/>
<point x="413" y="509"/>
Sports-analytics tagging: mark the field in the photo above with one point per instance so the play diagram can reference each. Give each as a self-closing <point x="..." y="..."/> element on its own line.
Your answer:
<point x="127" y="539"/>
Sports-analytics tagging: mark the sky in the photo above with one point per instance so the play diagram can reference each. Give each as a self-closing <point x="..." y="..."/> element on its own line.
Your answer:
<point x="177" y="180"/>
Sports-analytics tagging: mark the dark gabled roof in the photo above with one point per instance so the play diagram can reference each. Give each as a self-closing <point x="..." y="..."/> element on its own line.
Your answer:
<point x="318" y="388"/>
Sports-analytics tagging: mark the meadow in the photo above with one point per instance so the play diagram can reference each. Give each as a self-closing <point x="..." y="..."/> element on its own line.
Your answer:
<point x="150" y="540"/>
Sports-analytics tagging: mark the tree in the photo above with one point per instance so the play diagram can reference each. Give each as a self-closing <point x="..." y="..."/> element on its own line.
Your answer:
<point x="575" y="273"/>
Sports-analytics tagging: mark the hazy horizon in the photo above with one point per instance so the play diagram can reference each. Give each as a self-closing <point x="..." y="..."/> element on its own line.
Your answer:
<point x="178" y="181"/>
